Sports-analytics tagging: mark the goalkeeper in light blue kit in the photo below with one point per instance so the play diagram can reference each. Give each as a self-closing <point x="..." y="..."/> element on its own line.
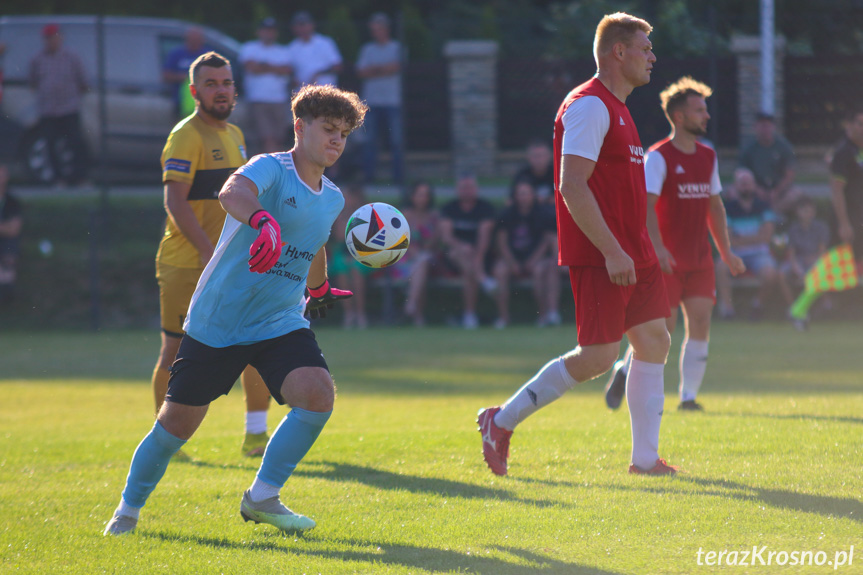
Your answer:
<point x="250" y="311"/>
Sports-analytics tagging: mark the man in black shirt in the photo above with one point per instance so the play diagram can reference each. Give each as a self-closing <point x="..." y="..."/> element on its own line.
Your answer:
<point x="539" y="171"/>
<point x="846" y="184"/>
<point x="467" y="223"/>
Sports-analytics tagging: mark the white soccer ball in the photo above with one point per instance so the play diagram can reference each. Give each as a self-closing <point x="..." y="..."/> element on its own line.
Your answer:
<point x="377" y="235"/>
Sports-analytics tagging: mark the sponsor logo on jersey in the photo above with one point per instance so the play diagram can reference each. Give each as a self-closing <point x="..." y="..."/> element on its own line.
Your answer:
<point x="176" y="165"/>
<point x="217" y="155"/>
<point x="243" y="152"/>
<point x="295" y="254"/>
<point x="291" y="202"/>
<point x="622" y="123"/>
<point x="636" y="154"/>
<point x="693" y="190"/>
<point x="679" y="170"/>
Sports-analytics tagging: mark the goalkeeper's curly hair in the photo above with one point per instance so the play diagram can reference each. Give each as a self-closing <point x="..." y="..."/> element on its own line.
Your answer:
<point x="313" y="101"/>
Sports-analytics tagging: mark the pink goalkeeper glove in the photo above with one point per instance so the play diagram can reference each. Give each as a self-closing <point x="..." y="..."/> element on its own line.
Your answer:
<point x="323" y="298"/>
<point x="267" y="248"/>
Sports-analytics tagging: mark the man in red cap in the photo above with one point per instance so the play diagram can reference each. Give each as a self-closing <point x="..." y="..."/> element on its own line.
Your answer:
<point x="57" y="76"/>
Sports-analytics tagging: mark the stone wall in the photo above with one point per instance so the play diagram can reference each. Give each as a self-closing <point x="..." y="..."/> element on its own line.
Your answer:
<point x="473" y="105"/>
<point x="748" y="52"/>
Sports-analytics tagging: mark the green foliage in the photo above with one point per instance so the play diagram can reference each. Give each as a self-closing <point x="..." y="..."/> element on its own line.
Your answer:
<point x="488" y="24"/>
<point x="825" y="27"/>
<point x="572" y="25"/>
<point x="341" y="27"/>
<point x="396" y="481"/>
<point x="677" y="31"/>
<point x="418" y="38"/>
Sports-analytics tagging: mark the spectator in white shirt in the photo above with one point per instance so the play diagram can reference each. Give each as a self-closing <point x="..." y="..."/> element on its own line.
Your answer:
<point x="268" y="68"/>
<point x="316" y="57"/>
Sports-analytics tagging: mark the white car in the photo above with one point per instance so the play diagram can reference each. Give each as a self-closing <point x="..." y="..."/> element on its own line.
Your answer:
<point x="139" y="107"/>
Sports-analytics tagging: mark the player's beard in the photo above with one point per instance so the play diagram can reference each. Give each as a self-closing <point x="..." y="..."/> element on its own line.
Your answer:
<point x="697" y="130"/>
<point x="215" y="112"/>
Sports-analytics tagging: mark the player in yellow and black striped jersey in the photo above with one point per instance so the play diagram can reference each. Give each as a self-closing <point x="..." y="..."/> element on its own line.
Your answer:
<point x="202" y="151"/>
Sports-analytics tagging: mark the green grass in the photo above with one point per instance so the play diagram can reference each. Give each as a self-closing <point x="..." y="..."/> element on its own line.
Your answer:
<point x="396" y="481"/>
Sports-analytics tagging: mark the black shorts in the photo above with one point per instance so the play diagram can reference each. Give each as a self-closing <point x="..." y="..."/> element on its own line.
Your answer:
<point x="202" y="373"/>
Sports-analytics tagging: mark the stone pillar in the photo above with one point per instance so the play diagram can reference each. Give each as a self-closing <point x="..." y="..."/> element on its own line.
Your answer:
<point x="748" y="52"/>
<point x="473" y="105"/>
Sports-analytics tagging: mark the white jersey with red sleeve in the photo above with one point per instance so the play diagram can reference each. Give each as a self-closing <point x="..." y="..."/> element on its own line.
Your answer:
<point x="684" y="183"/>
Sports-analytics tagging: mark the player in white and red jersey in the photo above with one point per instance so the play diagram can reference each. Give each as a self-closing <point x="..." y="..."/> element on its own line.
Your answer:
<point x="683" y="204"/>
<point x="616" y="279"/>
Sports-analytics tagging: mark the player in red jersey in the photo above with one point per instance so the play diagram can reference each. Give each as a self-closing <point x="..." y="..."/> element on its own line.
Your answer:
<point x="683" y="204"/>
<point x="616" y="279"/>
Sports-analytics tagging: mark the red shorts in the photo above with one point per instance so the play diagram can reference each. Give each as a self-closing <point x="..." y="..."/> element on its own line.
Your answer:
<point x="685" y="284"/>
<point x="604" y="312"/>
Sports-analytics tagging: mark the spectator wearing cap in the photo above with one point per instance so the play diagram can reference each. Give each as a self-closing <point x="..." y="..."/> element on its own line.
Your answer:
<point x="175" y="70"/>
<point x="58" y="78"/>
<point x="315" y="57"/>
<point x="268" y="68"/>
<point x="379" y="65"/>
<point x="770" y="157"/>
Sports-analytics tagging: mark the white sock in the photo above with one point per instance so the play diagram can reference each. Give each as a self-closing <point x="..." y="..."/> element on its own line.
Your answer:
<point x="645" y="397"/>
<point x="693" y="364"/>
<point x="261" y="490"/>
<point x="127" y="510"/>
<point x="548" y="384"/>
<point x="256" y="421"/>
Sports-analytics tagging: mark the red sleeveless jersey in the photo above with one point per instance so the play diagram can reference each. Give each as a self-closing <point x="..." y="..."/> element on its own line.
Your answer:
<point x="683" y="207"/>
<point x="617" y="184"/>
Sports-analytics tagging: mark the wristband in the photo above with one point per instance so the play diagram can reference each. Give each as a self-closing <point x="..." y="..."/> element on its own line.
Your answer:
<point x="320" y="290"/>
<point x="257" y="216"/>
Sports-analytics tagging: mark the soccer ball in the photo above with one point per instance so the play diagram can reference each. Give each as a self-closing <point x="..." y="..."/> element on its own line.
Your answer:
<point x="377" y="235"/>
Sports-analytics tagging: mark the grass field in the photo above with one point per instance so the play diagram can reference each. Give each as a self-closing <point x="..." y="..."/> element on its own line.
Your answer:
<point x="396" y="481"/>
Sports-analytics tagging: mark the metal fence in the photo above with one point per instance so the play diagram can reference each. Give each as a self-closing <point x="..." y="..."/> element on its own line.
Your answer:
<point x="530" y="91"/>
<point x="818" y="91"/>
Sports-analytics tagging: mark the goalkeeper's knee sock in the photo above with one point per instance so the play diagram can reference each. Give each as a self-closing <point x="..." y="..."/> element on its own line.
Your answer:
<point x="149" y="464"/>
<point x="548" y="384"/>
<point x="290" y="442"/>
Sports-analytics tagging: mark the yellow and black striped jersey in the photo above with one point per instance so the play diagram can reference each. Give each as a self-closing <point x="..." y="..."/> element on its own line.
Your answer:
<point x="204" y="157"/>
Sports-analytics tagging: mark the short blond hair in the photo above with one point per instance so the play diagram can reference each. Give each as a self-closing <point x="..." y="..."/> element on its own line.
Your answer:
<point x="674" y="96"/>
<point x="614" y="28"/>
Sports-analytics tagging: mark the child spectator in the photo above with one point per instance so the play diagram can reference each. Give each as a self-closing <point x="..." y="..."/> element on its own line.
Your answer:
<point x="416" y="265"/>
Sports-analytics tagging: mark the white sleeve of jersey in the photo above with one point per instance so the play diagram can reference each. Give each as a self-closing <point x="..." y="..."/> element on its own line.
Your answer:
<point x="654" y="172"/>
<point x="585" y="124"/>
<point x="715" y="184"/>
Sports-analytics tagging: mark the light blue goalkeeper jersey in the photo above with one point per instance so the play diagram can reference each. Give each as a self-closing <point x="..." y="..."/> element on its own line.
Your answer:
<point x="232" y="305"/>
